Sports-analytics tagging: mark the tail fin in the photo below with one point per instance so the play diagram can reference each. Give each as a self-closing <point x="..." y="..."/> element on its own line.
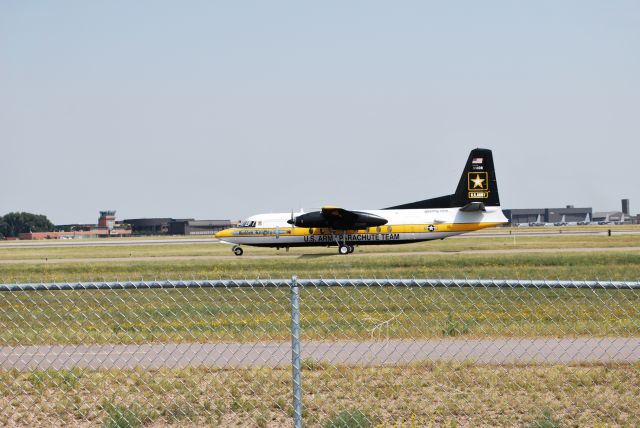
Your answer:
<point x="478" y="182"/>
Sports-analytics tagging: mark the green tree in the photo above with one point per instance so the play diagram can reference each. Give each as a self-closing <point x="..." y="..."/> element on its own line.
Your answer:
<point x="14" y="223"/>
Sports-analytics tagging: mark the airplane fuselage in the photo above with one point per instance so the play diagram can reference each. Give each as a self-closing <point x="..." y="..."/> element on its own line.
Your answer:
<point x="474" y="205"/>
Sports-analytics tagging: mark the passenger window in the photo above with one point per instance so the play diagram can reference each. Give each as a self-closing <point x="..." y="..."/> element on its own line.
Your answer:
<point x="389" y="229"/>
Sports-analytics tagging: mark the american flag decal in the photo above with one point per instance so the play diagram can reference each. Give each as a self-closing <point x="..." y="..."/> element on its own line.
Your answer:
<point x="476" y="160"/>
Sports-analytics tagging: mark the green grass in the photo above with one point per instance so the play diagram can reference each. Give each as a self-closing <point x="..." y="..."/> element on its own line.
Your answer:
<point x="441" y="394"/>
<point x="351" y="418"/>
<point x="263" y="314"/>
<point x="606" y="266"/>
<point x="546" y="421"/>
<point x="126" y="416"/>
<point x="437" y="394"/>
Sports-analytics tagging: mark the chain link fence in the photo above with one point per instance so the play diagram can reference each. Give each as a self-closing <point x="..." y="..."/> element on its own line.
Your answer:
<point x="333" y="353"/>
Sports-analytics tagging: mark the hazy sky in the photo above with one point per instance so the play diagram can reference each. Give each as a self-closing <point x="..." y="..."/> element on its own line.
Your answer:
<point x="225" y="109"/>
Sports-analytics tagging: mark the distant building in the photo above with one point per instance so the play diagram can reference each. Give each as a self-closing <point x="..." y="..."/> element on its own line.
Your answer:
<point x="623" y="216"/>
<point x="197" y="227"/>
<point x="524" y="216"/>
<point x="547" y="215"/>
<point x="609" y="216"/>
<point x="625" y="207"/>
<point x="107" y="226"/>
<point x="148" y="226"/>
<point x="171" y="226"/>
<point x="77" y="234"/>
<point x="107" y="219"/>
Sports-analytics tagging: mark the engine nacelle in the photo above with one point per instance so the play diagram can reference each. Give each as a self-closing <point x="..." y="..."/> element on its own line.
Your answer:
<point x="312" y="219"/>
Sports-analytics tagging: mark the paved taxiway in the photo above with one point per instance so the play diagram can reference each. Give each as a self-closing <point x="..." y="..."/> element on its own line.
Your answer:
<point x="231" y="355"/>
<point x="330" y="252"/>
<point x="111" y="242"/>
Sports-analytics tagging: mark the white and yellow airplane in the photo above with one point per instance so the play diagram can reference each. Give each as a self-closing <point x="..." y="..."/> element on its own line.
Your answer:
<point x="474" y="205"/>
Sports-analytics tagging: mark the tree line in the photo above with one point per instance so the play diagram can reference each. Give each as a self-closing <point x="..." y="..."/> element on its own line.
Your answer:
<point x="13" y="224"/>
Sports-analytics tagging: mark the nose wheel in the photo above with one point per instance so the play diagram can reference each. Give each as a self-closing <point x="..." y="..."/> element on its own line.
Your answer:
<point x="237" y="251"/>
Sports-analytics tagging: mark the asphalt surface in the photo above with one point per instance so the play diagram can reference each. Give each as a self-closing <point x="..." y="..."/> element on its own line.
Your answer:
<point x="330" y="252"/>
<point x="132" y="242"/>
<point x="367" y="353"/>
<point x="105" y="242"/>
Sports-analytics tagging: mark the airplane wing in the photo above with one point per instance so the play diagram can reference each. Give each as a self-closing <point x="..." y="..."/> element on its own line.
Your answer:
<point x="335" y="214"/>
<point x="338" y="218"/>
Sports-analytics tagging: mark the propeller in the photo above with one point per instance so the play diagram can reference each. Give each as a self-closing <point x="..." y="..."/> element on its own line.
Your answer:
<point x="291" y="221"/>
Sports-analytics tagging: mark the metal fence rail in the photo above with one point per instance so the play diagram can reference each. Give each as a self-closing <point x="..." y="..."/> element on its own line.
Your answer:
<point x="321" y="282"/>
<point x="320" y="352"/>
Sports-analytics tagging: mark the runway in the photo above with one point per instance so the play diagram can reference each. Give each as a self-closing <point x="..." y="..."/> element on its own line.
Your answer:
<point x="105" y="242"/>
<point x="366" y="353"/>
<point x="330" y="252"/>
<point x="132" y="242"/>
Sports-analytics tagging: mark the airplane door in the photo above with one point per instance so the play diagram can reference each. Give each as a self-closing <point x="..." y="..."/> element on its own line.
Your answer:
<point x="277" y="232"/>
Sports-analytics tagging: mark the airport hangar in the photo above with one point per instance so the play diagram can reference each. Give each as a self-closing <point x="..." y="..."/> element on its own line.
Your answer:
<point x="547" y="215"/>
<point x="171" y="226"/>
<point x="571" y="215"/>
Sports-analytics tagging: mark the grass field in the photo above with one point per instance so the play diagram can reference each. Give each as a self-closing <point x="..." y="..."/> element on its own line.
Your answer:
<point x="618" y="265"/>
<point x="416" y="395"/>
<point x="178" y="249"/>
<point x="438" y="394"/>
<point x="323" y="262"/>
<point x="263" y="314"/>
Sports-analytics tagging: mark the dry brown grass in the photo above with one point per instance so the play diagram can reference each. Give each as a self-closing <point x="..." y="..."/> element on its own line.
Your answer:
<point x="420" y="395"/>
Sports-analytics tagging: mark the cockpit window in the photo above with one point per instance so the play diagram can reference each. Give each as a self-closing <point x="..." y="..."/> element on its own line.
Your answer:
<point x="248" y="223"/>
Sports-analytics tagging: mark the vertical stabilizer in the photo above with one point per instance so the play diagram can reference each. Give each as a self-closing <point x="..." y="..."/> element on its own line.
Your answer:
<point x="478" y="182"/>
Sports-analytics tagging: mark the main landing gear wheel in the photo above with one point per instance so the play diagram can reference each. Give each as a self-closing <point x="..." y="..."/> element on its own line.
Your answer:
<point x="351" y="248"/>
<point x="237" y="251"/>
<point x="343" y="249"/>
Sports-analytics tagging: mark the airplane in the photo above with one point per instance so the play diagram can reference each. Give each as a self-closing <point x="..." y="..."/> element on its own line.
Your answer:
<point x="605" y="221"/>
<point x="562" y="222"/>
<point x="475" y="205"/>
<point x="538" y="222"/>
<point x="586" y="222"/>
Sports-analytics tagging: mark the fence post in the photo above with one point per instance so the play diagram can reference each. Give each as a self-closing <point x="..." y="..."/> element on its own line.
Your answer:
<point x="295" y="353"/>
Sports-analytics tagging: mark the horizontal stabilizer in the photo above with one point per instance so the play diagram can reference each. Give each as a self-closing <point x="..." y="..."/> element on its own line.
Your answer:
<point x="473" y="206"/>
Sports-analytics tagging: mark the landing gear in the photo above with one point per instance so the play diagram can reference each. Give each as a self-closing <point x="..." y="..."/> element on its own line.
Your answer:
<point x="237" y="251"/>
<point x="345" y="249"/>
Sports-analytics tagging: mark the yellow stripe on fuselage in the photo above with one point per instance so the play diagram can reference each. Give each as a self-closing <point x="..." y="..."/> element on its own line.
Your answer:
<point x="388" y="228"/>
